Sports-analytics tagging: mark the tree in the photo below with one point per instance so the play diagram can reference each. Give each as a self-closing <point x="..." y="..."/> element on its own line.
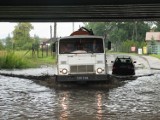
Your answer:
<point x="105" y="29"/>
<point x="155" y="26"/>
<point x="9" y="42"/>
<point x="1" y="46"/>
<point x="21" y="36"/>
<point x="36" y="42"/>
<point x="122" y="34"/>
<point x="120" y="31"/>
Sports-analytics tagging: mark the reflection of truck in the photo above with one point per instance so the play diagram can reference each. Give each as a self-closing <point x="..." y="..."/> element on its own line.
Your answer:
<point x="81" y="57"/>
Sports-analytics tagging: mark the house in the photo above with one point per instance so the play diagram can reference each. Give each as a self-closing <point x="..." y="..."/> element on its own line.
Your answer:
<point x="45" y="42"/>
<point x="153" y="42"/>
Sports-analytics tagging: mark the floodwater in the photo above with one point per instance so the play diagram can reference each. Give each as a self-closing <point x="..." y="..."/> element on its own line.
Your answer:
<point x="23" y="99"/>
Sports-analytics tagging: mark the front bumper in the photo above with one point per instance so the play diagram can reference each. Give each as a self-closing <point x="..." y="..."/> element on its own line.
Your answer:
<point x="77" y="77"/>
<point x="124" y="72"/>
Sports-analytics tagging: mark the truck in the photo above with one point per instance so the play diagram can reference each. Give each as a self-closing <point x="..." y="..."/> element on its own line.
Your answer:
<point x="81" y="57"/>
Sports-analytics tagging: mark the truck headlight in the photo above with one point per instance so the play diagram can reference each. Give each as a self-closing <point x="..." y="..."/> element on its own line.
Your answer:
<point x="64" y="71"/>
<point x="99" y="70"/>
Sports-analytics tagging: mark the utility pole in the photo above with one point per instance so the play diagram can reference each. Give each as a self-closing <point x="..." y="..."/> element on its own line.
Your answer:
<point x="51" y="42"/>
<point x="136" y="29"/>
<point x="73" y="26"/>
<point x="55" y="30"/>
<point x="54" y="37"/>
<point x="50" y="31"/>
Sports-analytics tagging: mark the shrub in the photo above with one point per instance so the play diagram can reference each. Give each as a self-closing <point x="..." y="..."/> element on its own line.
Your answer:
<point x="11" y="61"/>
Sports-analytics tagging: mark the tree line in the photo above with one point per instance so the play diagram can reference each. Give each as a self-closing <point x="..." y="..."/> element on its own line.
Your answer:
<point x="123" y="35"/>
<point x="21" y="39"/>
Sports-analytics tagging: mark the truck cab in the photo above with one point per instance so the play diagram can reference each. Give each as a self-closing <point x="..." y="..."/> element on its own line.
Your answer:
<point x="81" y="57"/>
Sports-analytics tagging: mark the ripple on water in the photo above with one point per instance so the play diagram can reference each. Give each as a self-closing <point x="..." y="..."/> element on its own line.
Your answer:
<point x="23" y="99"/>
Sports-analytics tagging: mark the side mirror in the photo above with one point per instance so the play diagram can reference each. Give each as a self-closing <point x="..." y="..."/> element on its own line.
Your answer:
<point x="54" y="47"/>
<point x="109" y="45"/>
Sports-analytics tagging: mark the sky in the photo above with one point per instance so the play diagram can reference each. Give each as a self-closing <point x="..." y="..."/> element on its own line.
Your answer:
<point x="41" y="29"/>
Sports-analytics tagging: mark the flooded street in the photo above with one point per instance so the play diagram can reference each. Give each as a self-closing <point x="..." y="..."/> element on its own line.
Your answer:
<point x="23" y="99"/>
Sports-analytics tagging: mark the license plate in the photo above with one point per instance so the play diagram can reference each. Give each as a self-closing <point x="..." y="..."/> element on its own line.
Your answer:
<point x="82" y="78"/>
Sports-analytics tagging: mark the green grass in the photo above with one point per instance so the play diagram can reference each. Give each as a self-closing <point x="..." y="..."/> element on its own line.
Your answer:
<point x="10" y="61"/>
<point x="36" y="62"/>
<point x="155" y="55"/>
<point x="112" y="52"/>
<point x="19" y="60"/>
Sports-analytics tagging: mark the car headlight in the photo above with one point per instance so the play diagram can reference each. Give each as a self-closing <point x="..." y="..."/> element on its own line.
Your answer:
<point x="99" y="70"/>
<point x="64" y="71"/>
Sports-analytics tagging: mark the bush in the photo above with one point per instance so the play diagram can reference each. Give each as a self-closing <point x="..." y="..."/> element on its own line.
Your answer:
<point x="23" y="59"/>
<point x="126" y="45"/>
<point x="11" y="61"/>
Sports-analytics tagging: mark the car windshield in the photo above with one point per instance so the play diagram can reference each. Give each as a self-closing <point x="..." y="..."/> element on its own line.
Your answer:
<point x="123" y="61"/>
<point x="81" y="46"/>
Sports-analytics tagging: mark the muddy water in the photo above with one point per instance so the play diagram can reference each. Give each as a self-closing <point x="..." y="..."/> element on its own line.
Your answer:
<point x="22" y="99"/>
<point x="44" y="70"/>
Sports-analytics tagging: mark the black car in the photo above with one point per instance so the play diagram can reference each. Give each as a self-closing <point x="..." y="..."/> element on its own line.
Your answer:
<point x="123" y="65"/>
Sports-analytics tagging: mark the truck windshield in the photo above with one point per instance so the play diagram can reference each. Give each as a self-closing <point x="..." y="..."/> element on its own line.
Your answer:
<point x="81" y="46"/>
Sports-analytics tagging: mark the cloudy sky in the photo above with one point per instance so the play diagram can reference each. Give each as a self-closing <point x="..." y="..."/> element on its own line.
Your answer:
<point x="41" y="29"/>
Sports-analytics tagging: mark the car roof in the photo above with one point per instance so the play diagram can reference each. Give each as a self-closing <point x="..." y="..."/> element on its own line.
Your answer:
<point x="123" y="56"/>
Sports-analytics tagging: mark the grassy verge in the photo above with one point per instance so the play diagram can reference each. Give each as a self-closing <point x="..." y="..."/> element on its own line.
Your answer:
<point x="112" y="52"/>
<point x="19" y="60"/>
<point x="154" y="55"/>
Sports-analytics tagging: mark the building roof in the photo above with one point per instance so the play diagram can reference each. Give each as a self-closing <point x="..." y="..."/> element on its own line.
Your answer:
<point x="44" y="40"/>
<point x="153" y="36"/>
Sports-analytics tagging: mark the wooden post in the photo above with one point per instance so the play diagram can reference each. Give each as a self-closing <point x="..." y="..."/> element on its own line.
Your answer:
<point x="47" y="50"/>
<point x="51" y="36"/>
<point x="42" y="50"/>
<point x="38" y="52"/>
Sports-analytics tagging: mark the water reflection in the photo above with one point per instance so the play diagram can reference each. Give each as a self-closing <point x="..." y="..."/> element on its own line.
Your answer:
<point x="64" y="106"/>
<point x="22" y="99"/>
<point x="99" y="107"/>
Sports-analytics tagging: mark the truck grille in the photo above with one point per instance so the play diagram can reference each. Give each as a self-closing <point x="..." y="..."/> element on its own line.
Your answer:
<point x="78" y="69"/>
